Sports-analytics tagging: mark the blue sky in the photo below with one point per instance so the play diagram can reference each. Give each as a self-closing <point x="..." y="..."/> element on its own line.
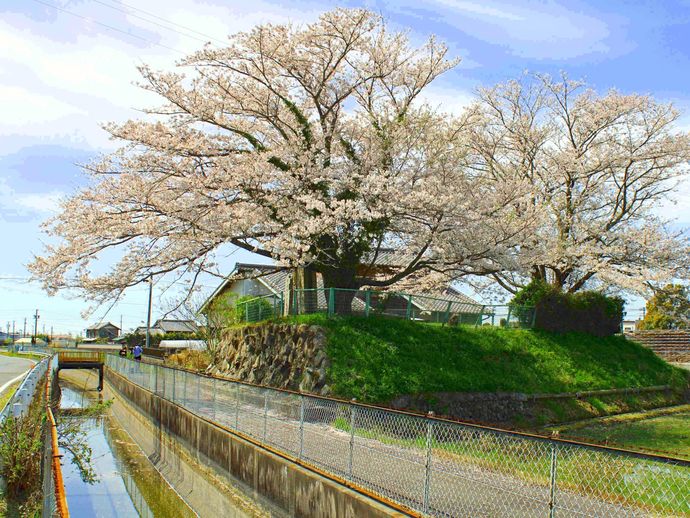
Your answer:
<point x="69" y="66"/>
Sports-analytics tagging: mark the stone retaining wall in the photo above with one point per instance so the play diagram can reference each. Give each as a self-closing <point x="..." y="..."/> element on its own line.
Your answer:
<point x="284" y="356"/>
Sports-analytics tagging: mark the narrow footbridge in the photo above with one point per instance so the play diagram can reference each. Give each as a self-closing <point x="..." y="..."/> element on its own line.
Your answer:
<point x="83" y="360"/>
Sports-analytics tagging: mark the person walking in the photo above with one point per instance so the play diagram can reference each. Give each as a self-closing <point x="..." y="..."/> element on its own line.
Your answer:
<point x="137" y="352"/>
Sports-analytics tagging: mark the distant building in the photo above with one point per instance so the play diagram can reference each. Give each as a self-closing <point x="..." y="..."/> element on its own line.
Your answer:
<point x="630" y="326"/>
<point x="163" y="326"/>
<point x="104" y="330"/>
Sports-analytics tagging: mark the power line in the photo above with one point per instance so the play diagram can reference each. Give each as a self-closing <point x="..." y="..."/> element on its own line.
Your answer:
<point x="91" y="20"/>
<point x="130" y="8"/>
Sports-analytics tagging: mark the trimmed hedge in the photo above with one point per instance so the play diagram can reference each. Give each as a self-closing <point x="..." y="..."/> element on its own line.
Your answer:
<point x="589" y="312"/>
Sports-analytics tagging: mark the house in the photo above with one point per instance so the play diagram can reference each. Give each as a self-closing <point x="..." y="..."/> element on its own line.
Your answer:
<point x="163" y="326"/>
<point x="103" y="330"/>
<point x="272" y="282"/>
<point x="629" y="326"/>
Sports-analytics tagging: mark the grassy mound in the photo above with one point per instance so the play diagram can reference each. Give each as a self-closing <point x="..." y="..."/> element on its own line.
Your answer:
<point x="377" y="359"/>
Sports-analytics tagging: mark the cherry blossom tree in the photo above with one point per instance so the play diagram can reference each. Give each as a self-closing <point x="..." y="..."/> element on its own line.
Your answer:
<point x="600" y="167"/>
<point x="310" y="145"/>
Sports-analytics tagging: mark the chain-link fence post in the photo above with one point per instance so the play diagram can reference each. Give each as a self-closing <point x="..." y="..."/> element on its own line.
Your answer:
<point x="350" y="463"/>
<point x="301" y="426"/>
<point x="237" y="406"/>
<point x="552" y="491"/>
<point x="174" y="386"/>
<point x="198" y="393"/>
<point x="184" y="388"/>
<point x="427" y="463"/>
<point x="265" y="412"/>
<point x="215" y="389"/>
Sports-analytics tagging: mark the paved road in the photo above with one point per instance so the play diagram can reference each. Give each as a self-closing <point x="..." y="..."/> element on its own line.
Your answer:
<point x="11" y="367"/>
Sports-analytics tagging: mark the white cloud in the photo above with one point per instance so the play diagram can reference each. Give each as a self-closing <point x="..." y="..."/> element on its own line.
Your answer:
<point x="534" y="29"/>
<point x="20" y="107"/>
<point x="26" y="206"/>
<point x="41" y="202"/>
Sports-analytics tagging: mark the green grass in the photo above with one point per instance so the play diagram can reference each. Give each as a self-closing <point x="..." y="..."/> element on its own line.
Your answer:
<point x="377" y="359"/>
<point x="6" y="395"/>
<point x="657" y="432"/>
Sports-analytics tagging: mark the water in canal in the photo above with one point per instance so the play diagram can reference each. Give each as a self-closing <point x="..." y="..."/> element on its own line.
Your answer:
<point x="128" y="483"/>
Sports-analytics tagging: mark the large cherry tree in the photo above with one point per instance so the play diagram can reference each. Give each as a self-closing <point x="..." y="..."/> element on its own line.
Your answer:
<point x="310" y="145"/>
<point x="601" y="169"/>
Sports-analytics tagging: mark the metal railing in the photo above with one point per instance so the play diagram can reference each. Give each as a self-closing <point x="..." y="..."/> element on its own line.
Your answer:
<point x="259" y="308"/>
<point x="336" y="301"/>
<point x="54" y="498"/>
<point x="432" y="466"/>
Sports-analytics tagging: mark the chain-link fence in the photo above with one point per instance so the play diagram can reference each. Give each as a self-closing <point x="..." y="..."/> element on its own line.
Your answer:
<point x="259" y="308"/>
<point x="336" y="301"/>
<point x="432" y="466"/>
<point x="49" y="501"/>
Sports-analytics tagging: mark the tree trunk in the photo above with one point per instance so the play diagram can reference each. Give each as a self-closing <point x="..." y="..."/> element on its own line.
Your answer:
<point x="306" y="294"/>
<point x="344" y="284"/>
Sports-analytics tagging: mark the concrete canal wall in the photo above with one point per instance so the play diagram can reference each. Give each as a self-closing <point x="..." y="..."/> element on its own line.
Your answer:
<point x="301" y="492"/>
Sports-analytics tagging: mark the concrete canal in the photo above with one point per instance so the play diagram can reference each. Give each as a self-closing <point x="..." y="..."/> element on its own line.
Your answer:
<point x="141" y="471"/>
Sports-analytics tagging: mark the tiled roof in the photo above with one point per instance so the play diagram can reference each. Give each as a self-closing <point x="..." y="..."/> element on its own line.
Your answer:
<point x="438" y="301"/>
<point x="95" y="327"/>
<point x="387" y="257"/>
<point x="176" y="326"/>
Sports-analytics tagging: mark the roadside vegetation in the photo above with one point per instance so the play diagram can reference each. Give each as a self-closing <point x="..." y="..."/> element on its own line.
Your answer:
<point x="188" y="359"/>
<point x="8" y="393"/>
<point x="377" y="359"/>
<point x="21" y="449"/>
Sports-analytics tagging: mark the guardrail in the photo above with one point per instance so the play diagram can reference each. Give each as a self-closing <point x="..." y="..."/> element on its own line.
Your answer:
<point x="431" y="466"/>
<point x="24" y="395"/>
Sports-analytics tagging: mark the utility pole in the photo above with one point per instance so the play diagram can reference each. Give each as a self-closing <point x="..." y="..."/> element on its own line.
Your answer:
<point x="24" y="333"/>
<point x="122" y="331"/>
<point x="148" y="317"/>
<point x="51" y="333"/>
<point x="36" y="317"/>
<point x="14" y="337"/>
<point x="8" y="329"/>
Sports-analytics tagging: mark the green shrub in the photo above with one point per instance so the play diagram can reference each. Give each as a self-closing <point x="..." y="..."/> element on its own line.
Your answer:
<point x="249" y="308"/>
<point x="589" y="312"/>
